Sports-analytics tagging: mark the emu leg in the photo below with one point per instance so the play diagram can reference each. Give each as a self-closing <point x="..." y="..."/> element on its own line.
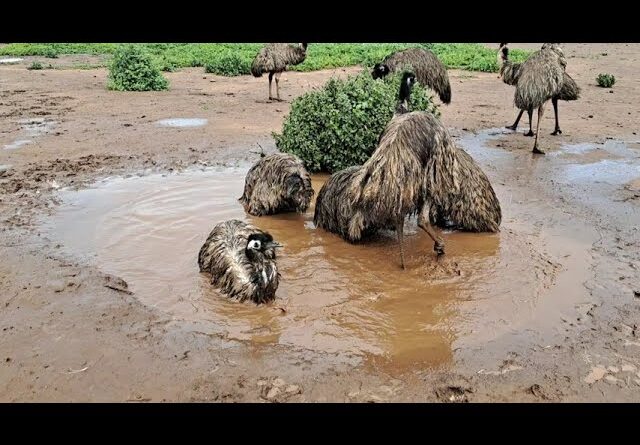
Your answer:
<point x="270" y="80"/>
<point x="514" y="127"/>
<point x="423" y="223"/>
<point x="535" y="144"/>
<point x="400" y="230"/>
<point x="557" y="130"/>
<point x="278" y="87"/>
<point x="530" y="112"/>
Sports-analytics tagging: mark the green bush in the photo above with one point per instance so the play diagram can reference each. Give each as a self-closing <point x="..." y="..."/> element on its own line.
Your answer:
<point x="132" y="69"/>
<point x="229" y="64"/>
<point x="339" y="125"/>
<point x="606" y="80"/>
<point x="35" y="66"/>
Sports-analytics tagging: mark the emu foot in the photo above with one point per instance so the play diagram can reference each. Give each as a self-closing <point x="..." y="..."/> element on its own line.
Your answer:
<point x="556" y="132"/>
<point x="438" y="247"/>
<point x="537" y="151"/>
<point x="511" y="127"/>
<point x="529" y="133"/>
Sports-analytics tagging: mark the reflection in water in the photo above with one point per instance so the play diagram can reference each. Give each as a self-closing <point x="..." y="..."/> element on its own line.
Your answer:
<point x="335" y="297"/>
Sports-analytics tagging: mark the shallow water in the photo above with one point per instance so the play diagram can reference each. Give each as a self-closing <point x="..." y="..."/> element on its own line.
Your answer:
<point x="334" y="297"/>
<point x="182" y="122"/>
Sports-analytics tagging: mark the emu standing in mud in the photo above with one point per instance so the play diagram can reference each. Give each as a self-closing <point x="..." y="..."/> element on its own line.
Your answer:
<point x="415" y="168"/>
<point x="428" y="69"/>
<point x="541" y="78"/>
<point x="241" y="260"/>
<point x="274" y="59"/>
<point x="510" y="73"/>
<point x="277" y="183"/>
<point x="335" y="203"/>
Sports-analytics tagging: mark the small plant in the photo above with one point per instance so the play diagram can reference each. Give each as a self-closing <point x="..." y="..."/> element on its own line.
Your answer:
<point x="132" y="69"/>
<point x="50" y="53"/>
<point x="229" y="64"/>
<point x="606" y="80"/>
<point x="339" y="125"/>
<point x="35" y="66"/>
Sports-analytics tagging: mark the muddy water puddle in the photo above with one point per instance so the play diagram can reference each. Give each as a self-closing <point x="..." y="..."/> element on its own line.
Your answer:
<point x="350" y="300"/>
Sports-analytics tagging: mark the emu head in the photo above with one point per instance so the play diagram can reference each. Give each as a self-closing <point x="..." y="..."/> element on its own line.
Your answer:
<point x="502" y="56"/>
<point x="261" y="246"/>
<point x="304" y="46"/>
<point x="380" y="70"/>
<point x="407" y="83"/>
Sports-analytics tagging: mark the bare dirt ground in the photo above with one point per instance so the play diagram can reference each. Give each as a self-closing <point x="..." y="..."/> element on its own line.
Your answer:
<point x="67" y="336"/>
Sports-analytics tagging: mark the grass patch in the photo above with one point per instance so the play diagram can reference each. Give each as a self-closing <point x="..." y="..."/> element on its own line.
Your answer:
<point x="606" y="80"/>
<point x="234" y="59"/>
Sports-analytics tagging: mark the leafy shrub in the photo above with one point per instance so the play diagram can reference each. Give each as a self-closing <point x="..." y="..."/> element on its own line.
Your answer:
<point x="229" y="64"/>
<point x="132" y="69"/>
<point x="339" y="125"/>
<point x="35" y="66"/>
<point x="606" y="80"/>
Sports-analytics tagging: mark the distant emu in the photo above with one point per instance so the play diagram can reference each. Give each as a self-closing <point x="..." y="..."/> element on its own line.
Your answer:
<point x="277" y="183"/>
<point x="510" y="73"/>
<point x="241" y="260"/>
<point x="415" y="169"/>
<point x="429" y="70"/>
<point x="541" y="78"/>
<point x="274" y="58"/>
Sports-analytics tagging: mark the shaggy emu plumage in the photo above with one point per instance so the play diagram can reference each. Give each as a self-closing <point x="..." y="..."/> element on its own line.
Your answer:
<point x="335" y="205"/>
<point x="241" y="260"/>
<point x="510" y="73"/>
<point x="541" y="78"/>
<point x="274" y="59"/>
<point x="277" y="183"/>
<point x="428" y="69"/>
<point x="415" y="169"/>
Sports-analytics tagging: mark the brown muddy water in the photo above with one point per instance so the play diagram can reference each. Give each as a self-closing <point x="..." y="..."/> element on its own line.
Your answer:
<point x="352" y="301"/>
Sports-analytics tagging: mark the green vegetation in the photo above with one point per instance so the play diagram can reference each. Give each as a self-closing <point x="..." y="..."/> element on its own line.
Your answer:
<point x="35" y="66"/>
<point x="132" y="69"/>
<point x="606" y="80"/>
<point x="339" y="125"/>
<point x="235" y="58"/>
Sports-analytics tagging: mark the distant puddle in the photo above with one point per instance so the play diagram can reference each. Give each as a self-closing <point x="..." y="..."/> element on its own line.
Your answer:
<point x="182" y="122"/>
<point x="17" y="144"/>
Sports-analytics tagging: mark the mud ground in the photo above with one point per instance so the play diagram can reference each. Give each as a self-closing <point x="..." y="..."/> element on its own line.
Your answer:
<point x="66" y="336"/>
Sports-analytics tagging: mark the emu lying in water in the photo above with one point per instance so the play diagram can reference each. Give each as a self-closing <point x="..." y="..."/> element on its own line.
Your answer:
<point x="415" y="168"/>
<point x="241" y="260"/>
<point x="277" y="183"/>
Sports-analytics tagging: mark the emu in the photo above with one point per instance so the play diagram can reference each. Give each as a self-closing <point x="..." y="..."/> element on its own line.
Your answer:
<point x="416" y="169"/>
<point x="510" y="73"/>
<point x="274" y="58"/>
<point x="277" y="183"/>
<point x="241" y="260"/>
<point x="429" y="70"/>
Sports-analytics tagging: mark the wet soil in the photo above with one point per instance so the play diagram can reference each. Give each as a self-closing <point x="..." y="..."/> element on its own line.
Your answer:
<point x="102" y="213"/>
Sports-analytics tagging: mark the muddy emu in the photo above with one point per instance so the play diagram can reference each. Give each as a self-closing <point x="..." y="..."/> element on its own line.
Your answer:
<point x="541" y="78"/>
<point x="335" y="203"/>
<point x="274" y="58"/>
<point x="277" y="183"/>
<point x="241" y="260"/>
<point x="428" y="69"/>
<point x="416" y="169"/>
<point x="510" y="73"/>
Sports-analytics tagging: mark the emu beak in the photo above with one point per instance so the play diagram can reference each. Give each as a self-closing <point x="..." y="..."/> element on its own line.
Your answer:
<point x="274" y="244"/>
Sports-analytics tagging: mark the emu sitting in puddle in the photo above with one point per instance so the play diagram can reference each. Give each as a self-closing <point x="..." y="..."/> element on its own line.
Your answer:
<point x="242" y="261"/>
